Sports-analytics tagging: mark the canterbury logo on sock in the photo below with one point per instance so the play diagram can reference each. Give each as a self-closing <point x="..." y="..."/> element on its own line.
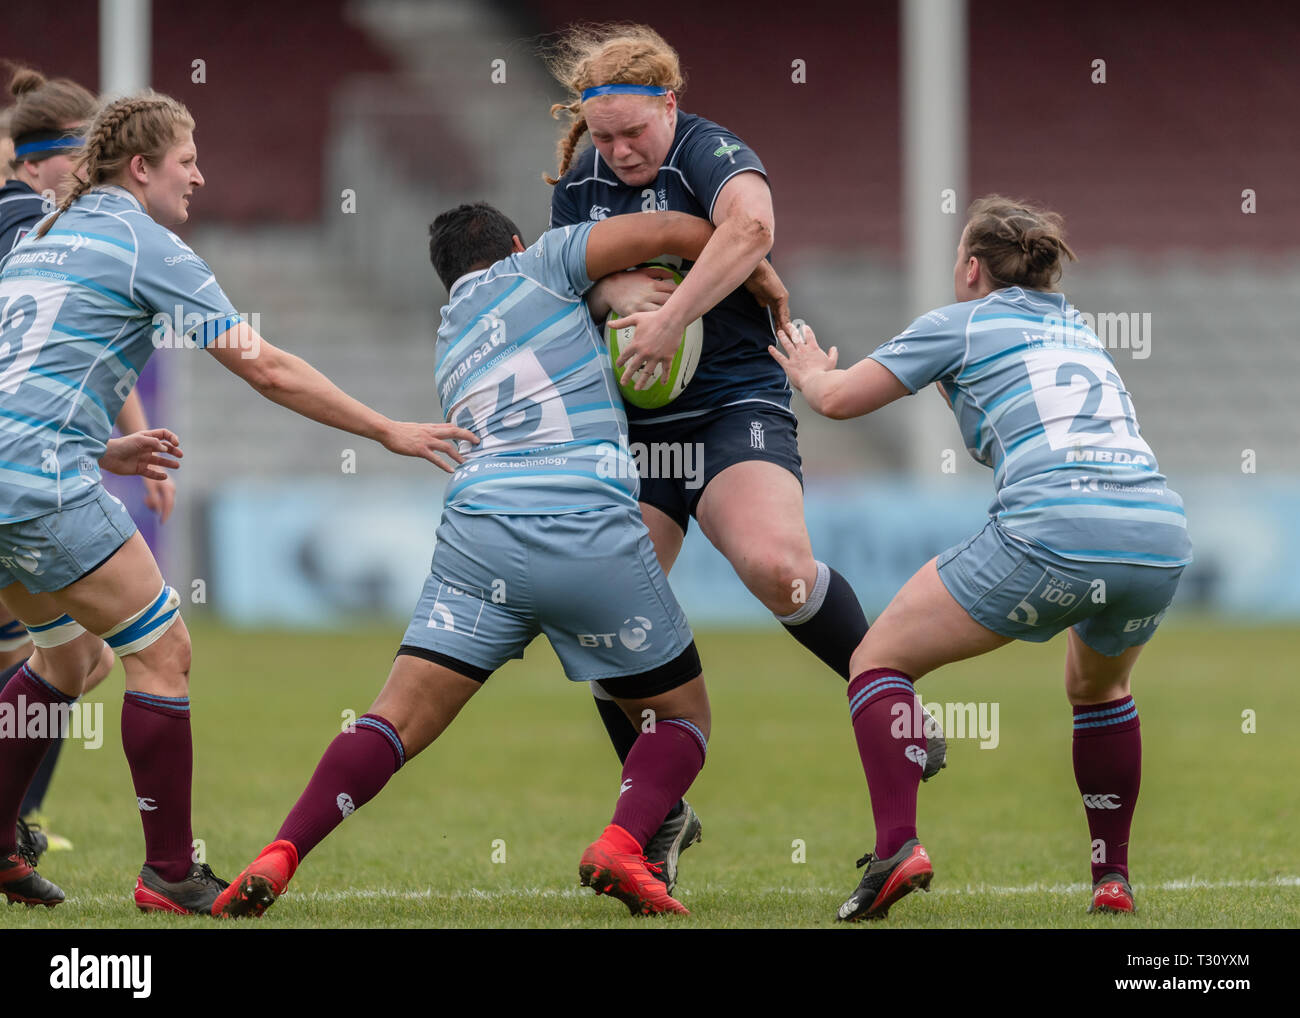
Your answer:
<point x="917" y="755"/>
<point x="627" y="783"/>
<point x="345" y="805"/>
<point x="1102" y="801"/>
<point x="145" y="804"/>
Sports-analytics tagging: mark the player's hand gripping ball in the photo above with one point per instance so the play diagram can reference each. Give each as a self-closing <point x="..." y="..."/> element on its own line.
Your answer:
<point x="680" y="372"/>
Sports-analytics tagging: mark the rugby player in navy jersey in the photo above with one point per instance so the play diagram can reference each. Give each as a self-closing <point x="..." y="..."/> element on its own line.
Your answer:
<point x="48" y="119"/>
<point x="540" y="533"/>
<point x="648" y="154"/>
<point x="1083" y="534"/>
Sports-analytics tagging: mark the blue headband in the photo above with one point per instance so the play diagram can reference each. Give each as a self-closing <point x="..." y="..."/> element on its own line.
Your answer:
<point x="596" y="90"/>
<point x="46" y="143"/>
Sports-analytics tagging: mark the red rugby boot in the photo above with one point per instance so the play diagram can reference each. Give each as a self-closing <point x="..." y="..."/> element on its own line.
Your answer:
<point x="263" y="880"/>
<point x="614" y="864"/>
<point x="1112" y="893"/>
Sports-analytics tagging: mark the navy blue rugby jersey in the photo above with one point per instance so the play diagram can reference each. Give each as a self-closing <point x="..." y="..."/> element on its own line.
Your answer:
<point x="21" y="208"/>
<point x="735" y="366"/>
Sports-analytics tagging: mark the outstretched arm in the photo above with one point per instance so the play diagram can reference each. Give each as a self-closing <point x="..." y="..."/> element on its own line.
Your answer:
<point x="293" y="383"/>
<point x="838" y="394"/>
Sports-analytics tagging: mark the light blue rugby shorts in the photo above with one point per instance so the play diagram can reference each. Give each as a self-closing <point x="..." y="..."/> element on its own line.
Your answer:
<point x="589" y="580"/>
<point x="1022" y="590"/>
<point x="50" y="552"/>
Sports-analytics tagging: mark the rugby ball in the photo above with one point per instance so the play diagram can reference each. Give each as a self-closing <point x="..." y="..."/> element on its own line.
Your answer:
<point x="680" y="372"/>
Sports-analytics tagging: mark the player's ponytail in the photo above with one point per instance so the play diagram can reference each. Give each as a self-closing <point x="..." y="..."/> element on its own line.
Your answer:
<point x="147" y="124"/>
<point x="1018" y="243"/>
<point x="614" y="54"/>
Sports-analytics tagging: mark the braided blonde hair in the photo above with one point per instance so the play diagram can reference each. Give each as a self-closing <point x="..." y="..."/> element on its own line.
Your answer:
<point x="146" y="124"/>
<point x="1019" y="243"/>
<point x="617" y="53"/>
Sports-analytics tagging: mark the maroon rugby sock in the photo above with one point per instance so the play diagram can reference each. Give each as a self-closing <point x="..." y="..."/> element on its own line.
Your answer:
<point x="21" y="749"/>
<point x="882" y="703"/>
<point x="658" y="771"/>
<point x="160" y="753"/>
<point x="1108" y="771"/>
<point x="355" y="767"/>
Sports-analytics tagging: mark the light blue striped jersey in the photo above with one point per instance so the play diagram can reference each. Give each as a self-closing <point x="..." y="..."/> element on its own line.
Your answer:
<point x="1038" y="399"/>
<point x="77" y="324"/>
<point x="520" y="363"/>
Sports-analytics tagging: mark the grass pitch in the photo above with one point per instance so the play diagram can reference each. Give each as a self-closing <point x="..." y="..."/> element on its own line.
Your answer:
<point x="526" y="776"/>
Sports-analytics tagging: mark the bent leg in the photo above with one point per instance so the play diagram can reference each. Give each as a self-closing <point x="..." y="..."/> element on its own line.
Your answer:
<point x="418" y="702"/>
<point x="1106" y="750"/>
<point x="752" y="512"/>
<point x="922" y="628"/>
<point x="668" y="754"/>
<point x="34" y="801"/>
<point x="34" y="707"/>
<point x="126" y="601"/>
<point x="73" y="658"/>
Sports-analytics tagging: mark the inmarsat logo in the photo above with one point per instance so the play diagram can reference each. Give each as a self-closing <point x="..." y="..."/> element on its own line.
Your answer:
<point x="917" y="755"/>
<point x="1102" y="801"/>
<point x="345" y="805"/>
<point x="635" y="633"/>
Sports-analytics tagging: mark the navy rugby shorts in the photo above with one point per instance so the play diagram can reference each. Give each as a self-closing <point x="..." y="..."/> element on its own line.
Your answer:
<point x="678" y="458"/>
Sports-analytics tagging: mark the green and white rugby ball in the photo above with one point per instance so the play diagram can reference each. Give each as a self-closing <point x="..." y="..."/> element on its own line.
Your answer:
<point x="662" y="391"/>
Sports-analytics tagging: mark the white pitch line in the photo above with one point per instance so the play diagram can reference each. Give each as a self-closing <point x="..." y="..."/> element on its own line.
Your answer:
<point x="477" y="894"/>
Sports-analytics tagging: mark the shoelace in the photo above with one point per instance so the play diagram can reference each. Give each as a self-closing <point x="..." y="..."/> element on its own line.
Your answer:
<point x="205" y="872"/>
<point x="26" y="843"/>
<point x="866" y="860"/>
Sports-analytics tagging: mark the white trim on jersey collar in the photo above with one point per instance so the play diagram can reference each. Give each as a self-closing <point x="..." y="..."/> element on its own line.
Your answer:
<point x="118" y="190"/>
<point x="468" y="275"/>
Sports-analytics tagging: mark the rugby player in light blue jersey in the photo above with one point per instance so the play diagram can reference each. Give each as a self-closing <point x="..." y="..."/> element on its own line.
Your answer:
<point x="48" y="124"/>
<point x="82" y="302"/>
<point x="1083" y="534"/>
<point x="540" y="534"/>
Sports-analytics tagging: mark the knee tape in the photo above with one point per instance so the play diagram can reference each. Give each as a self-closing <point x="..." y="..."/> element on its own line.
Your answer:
<point x="54" y="633"/>
<point x="139" y="631"/>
